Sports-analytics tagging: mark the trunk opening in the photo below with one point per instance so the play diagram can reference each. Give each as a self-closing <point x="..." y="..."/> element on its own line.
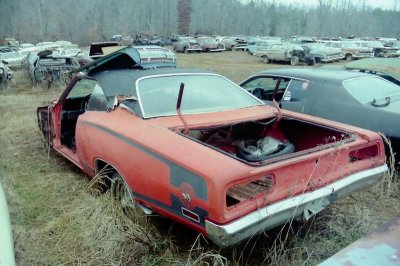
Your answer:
<point x="264" y="141"/>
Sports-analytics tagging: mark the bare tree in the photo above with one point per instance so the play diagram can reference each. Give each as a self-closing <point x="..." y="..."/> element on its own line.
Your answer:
<point x="184" y="16"/>
<point x="323" y="13"/>
<point x="92" y="20"/>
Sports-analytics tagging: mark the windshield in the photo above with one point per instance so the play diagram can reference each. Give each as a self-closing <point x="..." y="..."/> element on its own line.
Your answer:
<point x="367" y="89"/>
<point x="203" y="94"/>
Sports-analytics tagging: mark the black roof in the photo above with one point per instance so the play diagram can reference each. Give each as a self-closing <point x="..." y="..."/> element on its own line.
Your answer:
<point x="123" y="81"/>
<point x="314" y="73"/>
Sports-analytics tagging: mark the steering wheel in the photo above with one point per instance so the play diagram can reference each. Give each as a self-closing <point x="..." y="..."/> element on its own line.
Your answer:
<point x="259" y="93"/>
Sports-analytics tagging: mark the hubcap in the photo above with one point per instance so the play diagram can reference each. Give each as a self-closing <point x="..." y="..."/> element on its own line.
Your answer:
<point x="123" y="194"/>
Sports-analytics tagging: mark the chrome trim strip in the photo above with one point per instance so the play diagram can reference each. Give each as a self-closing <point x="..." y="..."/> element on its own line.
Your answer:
<point x="197" y="220"/>
<point x="279" y="213"/>
<point x="186" y="74"/>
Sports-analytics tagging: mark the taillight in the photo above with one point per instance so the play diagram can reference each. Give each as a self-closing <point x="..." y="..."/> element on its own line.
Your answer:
<point x="242" y="192"/>
<point x="363" y="153"/>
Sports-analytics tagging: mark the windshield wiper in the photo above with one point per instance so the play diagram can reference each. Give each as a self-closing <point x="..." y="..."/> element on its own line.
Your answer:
<point x="373" y="103"/>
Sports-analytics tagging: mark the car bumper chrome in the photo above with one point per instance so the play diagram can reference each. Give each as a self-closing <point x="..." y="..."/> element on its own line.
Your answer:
<point x="332" y="59"/>
<point x="217" y="50"/>
<point x="304" y="205"/>
<point x="358" y="56"/>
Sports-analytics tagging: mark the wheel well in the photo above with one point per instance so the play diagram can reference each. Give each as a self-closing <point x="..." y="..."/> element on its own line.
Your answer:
<point x="105" y="172"/>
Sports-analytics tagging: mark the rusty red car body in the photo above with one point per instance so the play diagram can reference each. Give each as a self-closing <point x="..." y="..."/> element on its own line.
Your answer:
<point x="187" y="167"/>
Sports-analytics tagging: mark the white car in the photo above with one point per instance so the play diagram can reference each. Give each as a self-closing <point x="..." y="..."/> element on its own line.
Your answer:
<point x="13" y="59"/>
<point x="66" y="44"/>
<point x="71" y="52"/>
<point x="48" y="46"/>
<point x="26" y="46"/>
<point x="154" y="53"/>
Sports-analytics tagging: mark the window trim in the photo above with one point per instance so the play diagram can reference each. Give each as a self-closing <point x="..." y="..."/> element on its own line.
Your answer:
<point x="276" y="76"/>
<point x="181" y="74"/>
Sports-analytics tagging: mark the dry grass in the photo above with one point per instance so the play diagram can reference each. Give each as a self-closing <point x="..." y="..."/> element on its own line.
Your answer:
<point x="59" y="218"/>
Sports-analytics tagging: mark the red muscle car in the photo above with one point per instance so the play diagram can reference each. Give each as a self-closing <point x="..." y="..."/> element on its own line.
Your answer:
<point x="193" y="146"/>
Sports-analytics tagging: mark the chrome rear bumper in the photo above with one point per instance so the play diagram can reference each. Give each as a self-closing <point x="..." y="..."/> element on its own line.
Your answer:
<point x="304" y="205"/>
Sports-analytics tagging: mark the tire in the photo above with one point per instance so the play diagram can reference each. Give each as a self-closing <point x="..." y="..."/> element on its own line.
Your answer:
<point x="121" y="191"/>
<point x="311" y="62"/>
<point x="38" y="76"/>
<point x="3" y="84"/>
<point x="348" y="57"/>
<point x="294" y="61"/>
<point x="265" y="59"/>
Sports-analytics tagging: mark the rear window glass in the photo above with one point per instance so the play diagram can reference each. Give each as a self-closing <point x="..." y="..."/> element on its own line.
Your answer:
<point x="366" y="89"/>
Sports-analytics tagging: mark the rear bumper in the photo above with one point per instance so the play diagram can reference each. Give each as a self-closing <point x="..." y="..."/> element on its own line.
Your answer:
<point x="332" y="58"/>
<point x="195" y="49"/>
<point x="358" y="56"/>
<point x="304" y="205"/>
<point x="217" y="50"/>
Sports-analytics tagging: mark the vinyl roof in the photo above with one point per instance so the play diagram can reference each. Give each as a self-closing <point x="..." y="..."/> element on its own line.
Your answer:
<point x="124" y="80"/>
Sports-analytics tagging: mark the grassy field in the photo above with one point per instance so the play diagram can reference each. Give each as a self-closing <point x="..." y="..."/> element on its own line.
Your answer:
<point x="60" y="218"/>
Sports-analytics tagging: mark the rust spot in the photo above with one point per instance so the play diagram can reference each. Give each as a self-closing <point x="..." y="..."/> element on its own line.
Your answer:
<point x="248" y="190"/>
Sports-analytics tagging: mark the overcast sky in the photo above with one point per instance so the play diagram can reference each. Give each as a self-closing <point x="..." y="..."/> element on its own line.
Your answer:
<point x="384" y="4"/>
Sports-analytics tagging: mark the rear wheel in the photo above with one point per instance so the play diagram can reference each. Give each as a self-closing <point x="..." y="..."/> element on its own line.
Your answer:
<point x="265" y="59"/>
<point x="349" y="57"/>
<point x="294" y="61"/>
<point x="121" y="191"/>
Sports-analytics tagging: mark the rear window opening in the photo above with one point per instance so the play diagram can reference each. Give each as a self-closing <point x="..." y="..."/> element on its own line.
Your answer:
<point x="261" y="142"/>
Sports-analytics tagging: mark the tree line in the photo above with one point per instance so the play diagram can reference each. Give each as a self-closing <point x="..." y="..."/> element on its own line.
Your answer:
<point x="93" y="20"/>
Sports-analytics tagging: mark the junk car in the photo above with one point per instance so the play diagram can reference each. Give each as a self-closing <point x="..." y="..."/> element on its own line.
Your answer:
<point x="193" y="146"/>
<point x="351" y="49"/>
<point x="322" y="53"/>
<point x="209" y="44"/>
<point x="228" y="42"/>
<point x="53" y="68"/>
<point x="6" y="74"/>
<point x="284" y="52"/>
<point x="13" y="59"/>
<point x="351" y="97"/>
<point x="187" y="45"/>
